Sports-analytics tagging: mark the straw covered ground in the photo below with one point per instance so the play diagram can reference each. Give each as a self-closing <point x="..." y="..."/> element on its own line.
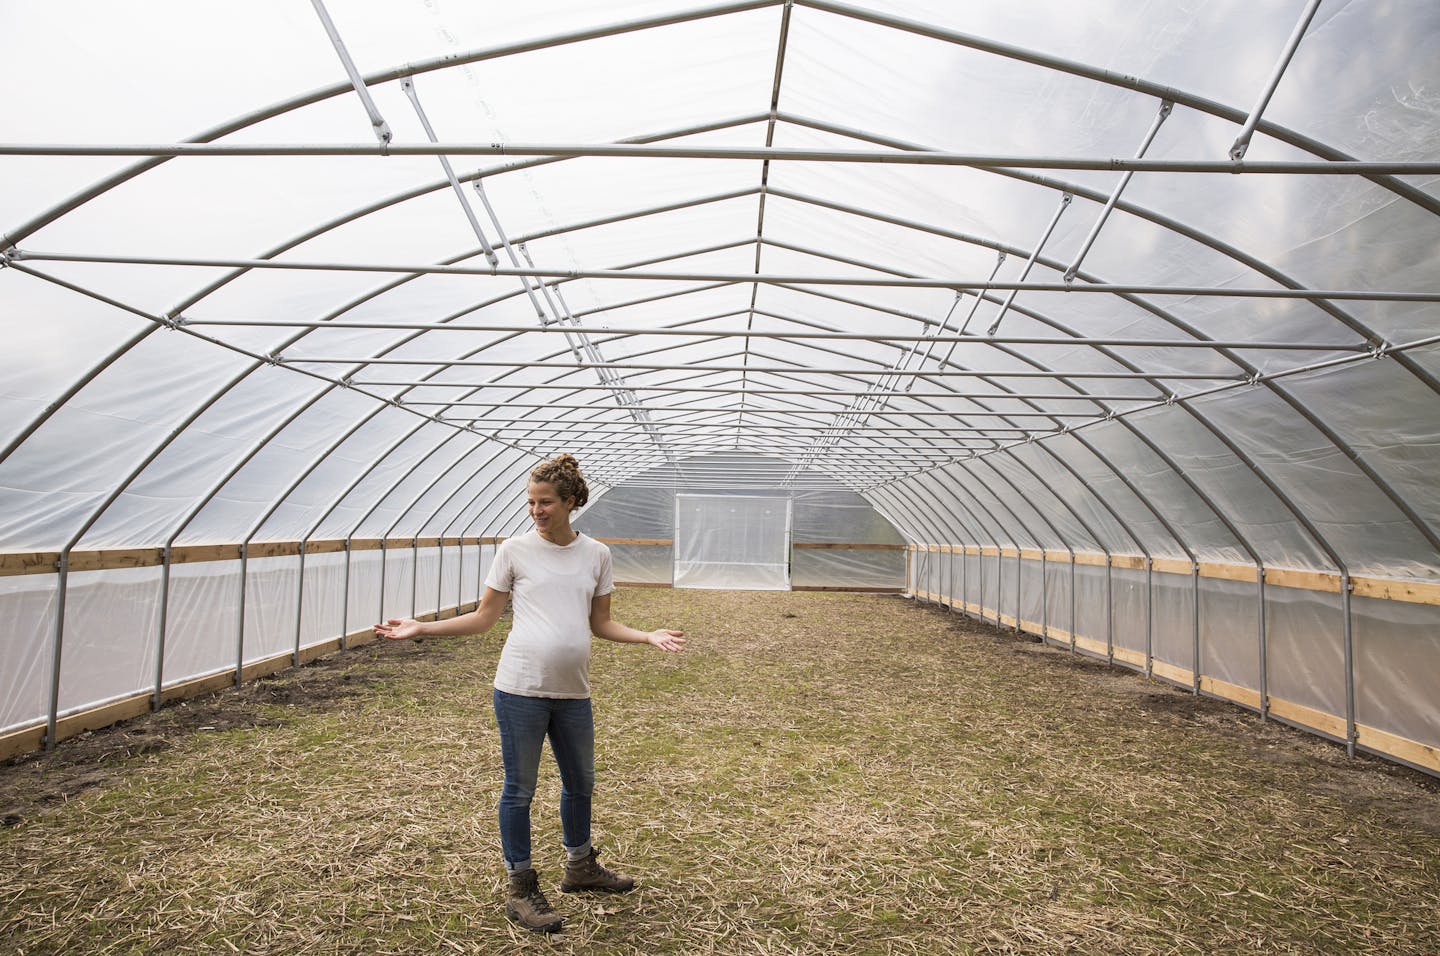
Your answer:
<point x="819" y="773"/>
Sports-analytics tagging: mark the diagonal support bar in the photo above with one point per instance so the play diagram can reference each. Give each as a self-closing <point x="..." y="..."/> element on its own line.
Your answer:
<point x="1242" y="142"/>
<point x="408" y="85"/>
<point x="382" y="128"/>
<point x="1030" y="263"/>
<point x="1165" y="107"/>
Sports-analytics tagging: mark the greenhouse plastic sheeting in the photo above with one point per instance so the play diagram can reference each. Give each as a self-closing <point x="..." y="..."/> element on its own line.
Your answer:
<point x="732" y="541"/>
<point x="823" y="513"/>
<point x="1122" y="318"/>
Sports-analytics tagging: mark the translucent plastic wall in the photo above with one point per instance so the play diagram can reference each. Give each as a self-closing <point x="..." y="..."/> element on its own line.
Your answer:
<point x="150" y="633"/>
<point x="1123" y="317"/>
<point x="836" y="538"/>
<point x="1225" y="606"/>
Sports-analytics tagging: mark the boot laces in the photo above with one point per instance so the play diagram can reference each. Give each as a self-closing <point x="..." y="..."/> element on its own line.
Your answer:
<point x="592" y="867"/>
<point x="537" y="899"/>
<point x="531" y="894"/>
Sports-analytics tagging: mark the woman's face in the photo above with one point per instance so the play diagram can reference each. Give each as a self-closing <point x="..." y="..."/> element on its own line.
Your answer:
<point x="547" y="509"/>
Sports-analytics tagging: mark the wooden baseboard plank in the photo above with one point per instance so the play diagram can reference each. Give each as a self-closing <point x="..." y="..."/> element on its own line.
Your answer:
<point x="1412" y="752"/>
<point x="1172" y="672"/>
<point x="1308" y="717"/>
<point x="1231" y="692"/>
<point x="1136" y="658"/>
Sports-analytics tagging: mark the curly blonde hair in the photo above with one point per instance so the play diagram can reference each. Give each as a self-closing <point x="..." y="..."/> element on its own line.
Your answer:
<point x="563" y="472"/>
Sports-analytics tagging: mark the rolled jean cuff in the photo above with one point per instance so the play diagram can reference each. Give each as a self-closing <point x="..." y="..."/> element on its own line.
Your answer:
<point x="574" y="854"/>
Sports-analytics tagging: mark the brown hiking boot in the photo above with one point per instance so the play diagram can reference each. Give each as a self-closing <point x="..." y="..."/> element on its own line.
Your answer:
<point x="588" y="875"/>
<point x="528" y="906"/>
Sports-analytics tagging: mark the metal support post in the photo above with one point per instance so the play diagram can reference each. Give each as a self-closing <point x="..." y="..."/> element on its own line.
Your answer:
<point x="299" y="604"/>
<point x="964" y="580"/>
<point x="240" y="618"/>
<point x="415" y="576"/>
<point x="62" y="586"/>
<point x="980" y="603"/>
<point x="1044" y="598"/>
<point x="440" y="578"/>
<point x="1264" y="662"/>
<point x="1074" y="601"/>
<point x="999" y="580"/>
<point x="1109" y="610"/>
<point x="950" y="580"/>
<point x="1195" y="614"/>
<point x="1346" y="591"/>
<point x="161" y="630"/>
<point x="460" y="575"/>
<point x="1149" y="616"/>
<point x="345" y="600"/>
<point x="381" y="618"/>
<point x="1019" y="578"/>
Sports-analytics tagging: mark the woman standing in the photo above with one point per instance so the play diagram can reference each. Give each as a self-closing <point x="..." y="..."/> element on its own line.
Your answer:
<point x="559" y="583"/>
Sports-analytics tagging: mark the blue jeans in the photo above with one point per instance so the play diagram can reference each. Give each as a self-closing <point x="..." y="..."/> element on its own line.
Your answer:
<point x="524" y="724"/>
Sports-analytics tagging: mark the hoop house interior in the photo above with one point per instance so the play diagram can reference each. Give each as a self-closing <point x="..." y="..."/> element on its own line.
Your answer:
<point x="1113" y="323"/>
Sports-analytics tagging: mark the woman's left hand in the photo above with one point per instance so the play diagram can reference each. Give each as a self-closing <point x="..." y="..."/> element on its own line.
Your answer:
<point x="673" y="641"/>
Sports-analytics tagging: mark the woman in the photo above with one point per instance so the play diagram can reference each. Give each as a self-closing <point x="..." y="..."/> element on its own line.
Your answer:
<point x="559" y="583"/>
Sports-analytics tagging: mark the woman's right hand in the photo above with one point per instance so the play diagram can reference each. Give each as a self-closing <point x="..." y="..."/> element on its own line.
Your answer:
<point x="401" y="629"/>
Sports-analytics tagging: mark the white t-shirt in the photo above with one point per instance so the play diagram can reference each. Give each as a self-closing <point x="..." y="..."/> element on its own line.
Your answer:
<point x="548" y="651"/>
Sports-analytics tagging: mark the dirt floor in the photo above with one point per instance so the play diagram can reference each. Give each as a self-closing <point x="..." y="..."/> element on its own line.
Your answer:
<point x="34" y="782"/>
<point x="818" y="773"/>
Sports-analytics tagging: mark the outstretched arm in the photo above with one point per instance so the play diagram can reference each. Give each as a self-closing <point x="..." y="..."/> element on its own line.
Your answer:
<point x="478" y="621"/>
<point x="602" y="625"/>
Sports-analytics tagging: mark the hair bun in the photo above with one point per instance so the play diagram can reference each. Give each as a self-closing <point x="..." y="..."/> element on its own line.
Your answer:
<point x="563" y="471"/>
